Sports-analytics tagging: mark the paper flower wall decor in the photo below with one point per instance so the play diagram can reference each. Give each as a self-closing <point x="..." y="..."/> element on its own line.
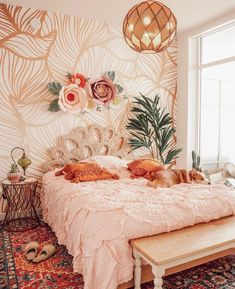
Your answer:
<point x="81" y="94"/>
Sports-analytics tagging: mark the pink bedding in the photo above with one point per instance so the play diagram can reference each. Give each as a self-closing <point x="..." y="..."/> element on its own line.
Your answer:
<point x="96" y="220"/>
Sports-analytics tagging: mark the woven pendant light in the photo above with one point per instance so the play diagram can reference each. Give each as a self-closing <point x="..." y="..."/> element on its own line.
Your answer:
<point x="149" y="27"/>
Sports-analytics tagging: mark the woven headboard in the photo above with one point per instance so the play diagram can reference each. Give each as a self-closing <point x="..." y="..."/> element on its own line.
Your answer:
<point x="84" y="142"/>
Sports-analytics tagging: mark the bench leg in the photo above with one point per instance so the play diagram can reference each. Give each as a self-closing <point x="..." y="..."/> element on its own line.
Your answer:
<point x="137" y="270"/>
<point x="158" y="274"/>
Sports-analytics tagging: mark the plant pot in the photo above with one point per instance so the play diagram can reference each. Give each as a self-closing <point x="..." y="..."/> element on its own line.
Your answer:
<point x="14" y="177"/>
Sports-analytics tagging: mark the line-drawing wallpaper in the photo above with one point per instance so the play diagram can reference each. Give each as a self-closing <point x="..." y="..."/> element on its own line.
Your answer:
<point x="31" y="56"/>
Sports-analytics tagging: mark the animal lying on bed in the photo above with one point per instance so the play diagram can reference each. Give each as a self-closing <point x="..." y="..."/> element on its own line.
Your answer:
<point x="168" y="178"/>
<point x="85" y="172"/>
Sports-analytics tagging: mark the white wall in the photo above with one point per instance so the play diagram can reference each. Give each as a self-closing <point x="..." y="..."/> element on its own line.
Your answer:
<point x="189" y="13"/>
<point x="188" y="96"/>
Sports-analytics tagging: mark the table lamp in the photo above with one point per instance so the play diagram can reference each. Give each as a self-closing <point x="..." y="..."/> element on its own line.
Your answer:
<point x="24" y="162"/>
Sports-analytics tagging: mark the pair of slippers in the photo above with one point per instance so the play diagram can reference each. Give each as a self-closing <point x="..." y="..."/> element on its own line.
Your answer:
<point x="31" y="252"/>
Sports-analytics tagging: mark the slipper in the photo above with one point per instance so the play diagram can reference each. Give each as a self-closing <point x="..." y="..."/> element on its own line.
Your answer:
<point x="31" y="250"/>
<point x="46" y="252"/>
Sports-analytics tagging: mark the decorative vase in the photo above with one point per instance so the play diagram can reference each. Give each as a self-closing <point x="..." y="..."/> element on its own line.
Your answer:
<point x="14" y="177"/>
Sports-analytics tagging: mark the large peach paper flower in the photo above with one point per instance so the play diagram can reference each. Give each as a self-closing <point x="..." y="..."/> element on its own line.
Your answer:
<point x="73" y="98"/>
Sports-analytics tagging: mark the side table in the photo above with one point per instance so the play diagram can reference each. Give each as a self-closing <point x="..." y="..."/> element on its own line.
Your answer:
<point x="21" y="214"/>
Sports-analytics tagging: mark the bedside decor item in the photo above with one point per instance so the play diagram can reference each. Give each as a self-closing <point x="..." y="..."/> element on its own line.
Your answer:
<point x="23" y="161"/>
<point x="80" y="94"/>
<point x="21" y="214"/>
<point x="151" y="127"/>
<point x="196" y="161"/>
<point x="14" y="174"/>
<point x="149" y="27"/>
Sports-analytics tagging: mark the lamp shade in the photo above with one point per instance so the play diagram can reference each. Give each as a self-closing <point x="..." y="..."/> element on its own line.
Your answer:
<point x="149" y="27"/>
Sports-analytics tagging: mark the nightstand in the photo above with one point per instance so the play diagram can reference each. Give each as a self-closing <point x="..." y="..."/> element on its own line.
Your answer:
<point x="21" y="214"/>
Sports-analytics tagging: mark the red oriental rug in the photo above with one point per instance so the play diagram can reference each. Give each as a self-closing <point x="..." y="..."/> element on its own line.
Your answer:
<point x="57" y="272"/>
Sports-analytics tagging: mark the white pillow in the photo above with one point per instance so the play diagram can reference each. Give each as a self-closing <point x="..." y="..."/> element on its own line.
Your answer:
<point x="108" y="161"/>
<point x="216" y="178"/>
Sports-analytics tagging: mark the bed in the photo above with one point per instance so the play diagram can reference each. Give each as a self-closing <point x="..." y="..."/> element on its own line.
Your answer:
<point x="96" y="220"/>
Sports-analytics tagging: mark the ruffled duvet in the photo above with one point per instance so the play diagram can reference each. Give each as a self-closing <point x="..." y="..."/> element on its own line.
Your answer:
<point x="96" y="220"/>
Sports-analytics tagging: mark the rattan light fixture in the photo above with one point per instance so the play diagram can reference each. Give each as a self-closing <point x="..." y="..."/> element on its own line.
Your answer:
<point x="149" y="27"/>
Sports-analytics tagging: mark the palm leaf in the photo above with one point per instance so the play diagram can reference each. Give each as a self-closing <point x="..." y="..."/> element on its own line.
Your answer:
<point x="151" y="127"/>
<point x="172" y="155"/>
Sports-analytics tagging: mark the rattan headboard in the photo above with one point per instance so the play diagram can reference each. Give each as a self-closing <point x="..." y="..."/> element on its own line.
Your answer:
<point x="84" y="142"/>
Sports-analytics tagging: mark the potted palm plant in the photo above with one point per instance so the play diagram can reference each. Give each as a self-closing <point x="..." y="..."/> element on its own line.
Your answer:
<point x="151" y="127"/>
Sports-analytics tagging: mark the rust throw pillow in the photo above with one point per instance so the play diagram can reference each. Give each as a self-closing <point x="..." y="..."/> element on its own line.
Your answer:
<point x="144" y="167"/>
<point x="85" y="172"/>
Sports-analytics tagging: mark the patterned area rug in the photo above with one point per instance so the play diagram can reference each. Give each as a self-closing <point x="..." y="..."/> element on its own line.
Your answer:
<point x="16" y="272"/>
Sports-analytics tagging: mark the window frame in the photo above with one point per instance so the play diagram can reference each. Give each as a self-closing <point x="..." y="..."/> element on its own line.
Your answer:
<point x="199" y="67"/>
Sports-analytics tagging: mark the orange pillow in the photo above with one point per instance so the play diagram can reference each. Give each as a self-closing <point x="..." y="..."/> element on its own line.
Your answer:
<point x="85" y="172"/>
<point x="144" y="167"/>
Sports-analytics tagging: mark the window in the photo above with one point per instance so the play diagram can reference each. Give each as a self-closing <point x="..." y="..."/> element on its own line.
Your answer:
<point x="217" y="97"/>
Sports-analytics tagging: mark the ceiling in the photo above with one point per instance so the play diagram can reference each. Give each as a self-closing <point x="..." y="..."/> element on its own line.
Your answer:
<point x="189" y="13"/>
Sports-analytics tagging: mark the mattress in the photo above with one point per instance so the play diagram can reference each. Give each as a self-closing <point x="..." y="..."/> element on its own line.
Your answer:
<point x="96" y="220"/>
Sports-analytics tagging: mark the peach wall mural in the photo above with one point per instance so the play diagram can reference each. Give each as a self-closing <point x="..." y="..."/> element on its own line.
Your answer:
<point x="37" y="47"/>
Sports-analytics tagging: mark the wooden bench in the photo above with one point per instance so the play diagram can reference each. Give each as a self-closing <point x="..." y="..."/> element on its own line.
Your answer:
<point x="192" y="246"/>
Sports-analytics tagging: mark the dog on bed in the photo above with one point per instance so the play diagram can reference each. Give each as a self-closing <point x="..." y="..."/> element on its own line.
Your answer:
<point x="168" y="178"/>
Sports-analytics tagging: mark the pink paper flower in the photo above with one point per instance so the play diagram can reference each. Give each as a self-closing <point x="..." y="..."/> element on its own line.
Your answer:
<point x="102" y="90"/>
<point x="73" y="98"/>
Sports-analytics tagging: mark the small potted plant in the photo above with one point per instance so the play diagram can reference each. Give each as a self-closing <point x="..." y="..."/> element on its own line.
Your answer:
<point x="14" y="174"/>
